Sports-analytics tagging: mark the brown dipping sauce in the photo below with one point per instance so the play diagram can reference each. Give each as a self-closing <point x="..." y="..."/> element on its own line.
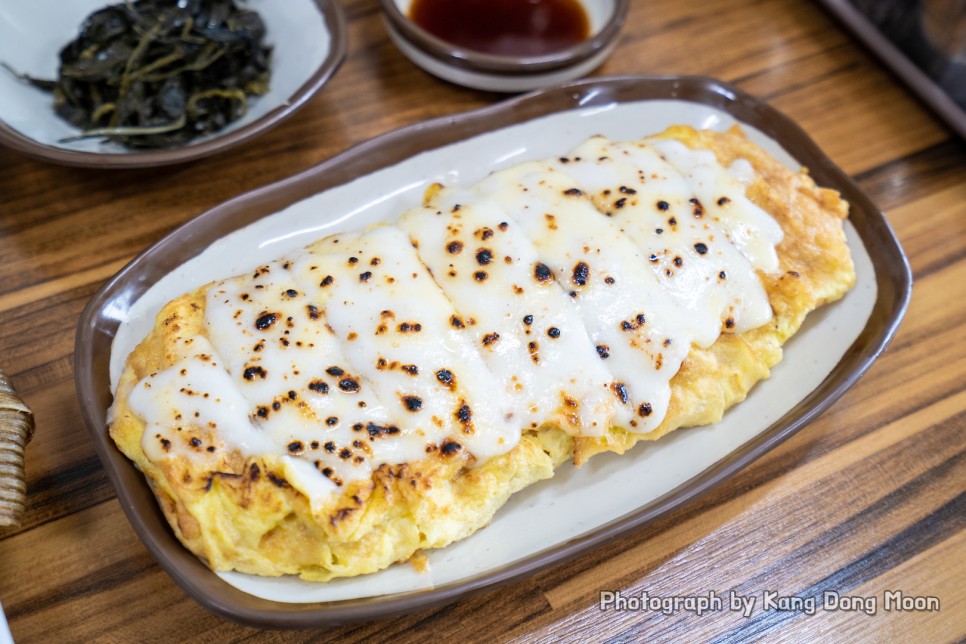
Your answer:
<point x="504" y="27"/>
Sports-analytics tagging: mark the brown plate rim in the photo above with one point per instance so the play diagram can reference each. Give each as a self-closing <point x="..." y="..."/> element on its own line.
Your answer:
<point x="97" y="328"/>
<point x="334" y="18"/>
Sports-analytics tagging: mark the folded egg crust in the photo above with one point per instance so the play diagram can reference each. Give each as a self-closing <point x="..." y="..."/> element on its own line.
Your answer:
<point x="242" y="514"/>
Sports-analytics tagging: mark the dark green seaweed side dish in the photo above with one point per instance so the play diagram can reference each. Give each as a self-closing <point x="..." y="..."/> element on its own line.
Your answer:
<point x="157" y="73"/>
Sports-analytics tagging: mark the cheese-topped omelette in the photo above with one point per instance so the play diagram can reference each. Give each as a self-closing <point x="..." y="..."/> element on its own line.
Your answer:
<point x="386" y="391"/>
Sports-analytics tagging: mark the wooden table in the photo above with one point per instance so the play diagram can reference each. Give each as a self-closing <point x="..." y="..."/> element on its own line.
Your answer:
<point x="869" y="498"/>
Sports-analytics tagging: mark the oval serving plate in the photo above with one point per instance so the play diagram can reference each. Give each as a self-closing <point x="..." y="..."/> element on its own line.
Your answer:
<point x="378" y="180"/>
<point x="309" y="41"/>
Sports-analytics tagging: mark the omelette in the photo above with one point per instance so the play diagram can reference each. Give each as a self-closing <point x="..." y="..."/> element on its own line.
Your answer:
<point x="385" y="391"/>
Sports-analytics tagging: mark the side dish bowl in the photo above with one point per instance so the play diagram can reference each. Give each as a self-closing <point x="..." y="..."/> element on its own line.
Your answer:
<point x="309" y="40"/>
<point x="506" y="73"/>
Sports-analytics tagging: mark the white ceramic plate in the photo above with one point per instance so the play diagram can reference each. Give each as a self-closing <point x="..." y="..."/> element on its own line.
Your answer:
<point x="550" y="512"/>
<point x="5" y="636"/>
<point x="555" y="519"/>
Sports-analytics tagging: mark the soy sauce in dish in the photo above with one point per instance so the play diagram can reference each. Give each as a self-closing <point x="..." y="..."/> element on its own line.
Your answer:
<point x="504" y="27"/>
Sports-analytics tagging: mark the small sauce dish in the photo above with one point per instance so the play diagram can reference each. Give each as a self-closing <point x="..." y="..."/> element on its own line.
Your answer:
<point x="505" y="72"/>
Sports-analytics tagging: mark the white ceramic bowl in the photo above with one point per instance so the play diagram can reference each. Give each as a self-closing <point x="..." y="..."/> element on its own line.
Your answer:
<point x="309" y="40"/>
<point x="506" y="73"/>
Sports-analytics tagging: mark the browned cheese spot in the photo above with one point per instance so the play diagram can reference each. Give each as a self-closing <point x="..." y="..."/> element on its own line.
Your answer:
<point x="412" y="403"/>
<point x="542" y="272"/>
<point x="620" y="391"/>
<point x="265" y="320"/>
<point x="580" y="274"/>
<point x="450" y="447"/>
<point x="446" y="378"/>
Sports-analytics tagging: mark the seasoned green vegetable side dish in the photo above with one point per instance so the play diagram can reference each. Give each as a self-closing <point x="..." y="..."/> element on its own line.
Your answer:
<point x="157" y="73"/>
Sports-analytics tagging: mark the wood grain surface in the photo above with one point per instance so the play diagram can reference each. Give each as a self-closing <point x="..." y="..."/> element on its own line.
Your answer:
<point x="869" y="499"/>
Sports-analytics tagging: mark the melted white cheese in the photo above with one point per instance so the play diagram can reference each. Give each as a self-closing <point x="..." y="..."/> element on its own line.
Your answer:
<point x="688" y="249"/>
<point x="528" y="333"/>
<point x="563" y="292"/>
<point x="289" y="365"/>
<point x="721" y="193"/>
<point x="637" y="330"/>
<point x="193" y="406"/>
<point x="398" y="332"/>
